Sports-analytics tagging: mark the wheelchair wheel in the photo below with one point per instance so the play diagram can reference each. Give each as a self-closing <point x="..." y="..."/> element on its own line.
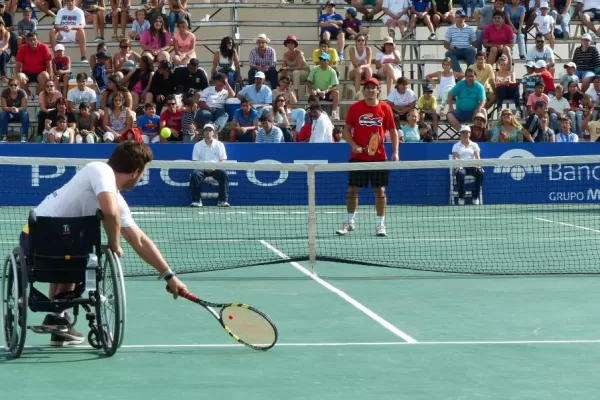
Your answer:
<point x="111" y="305"/>
<point x="13" y="291"/>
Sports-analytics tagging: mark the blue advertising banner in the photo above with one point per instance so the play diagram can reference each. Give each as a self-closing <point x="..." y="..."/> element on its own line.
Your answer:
<point x="521" y="184"/>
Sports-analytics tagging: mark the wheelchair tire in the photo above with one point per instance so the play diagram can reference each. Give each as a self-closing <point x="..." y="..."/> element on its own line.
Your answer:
<point x="14" y="311"/>
<point x="110" y="309"/>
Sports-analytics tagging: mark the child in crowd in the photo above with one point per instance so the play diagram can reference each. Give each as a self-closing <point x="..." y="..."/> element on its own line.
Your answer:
<point x="25" y="26"/>
<point x="528" y="81"/>
<point x="188" y="127"/>
<point x="427" y="104"/>
<point x="61" y="68"/>
<point x="140" y="25"/>
<point x="149" y="124"/>
<point x="425" y="132"/>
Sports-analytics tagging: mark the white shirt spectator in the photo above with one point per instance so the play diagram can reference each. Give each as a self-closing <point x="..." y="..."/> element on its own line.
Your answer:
<point x="465" y="152"/>
<point x="545" y="24"/>
<point x="381" y="56"/>
<point x="77" y="96"/>
<point x="547" y="55"/>
<point x="402" y="100"/>
<point x="589" y="4"/>
<point x="78" y="197"/>
<point x="592" y="92"/>
<point x="559" y="105"/>
<point x="214" y="99"/>
<point x="321" y="130"/>
<point x="213" y="153"/>
<point x="395" y="6"/>
<point x="73" y="17"/>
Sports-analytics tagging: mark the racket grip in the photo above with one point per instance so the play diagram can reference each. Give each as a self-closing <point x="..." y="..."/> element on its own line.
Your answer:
<point x="184" y="293"/>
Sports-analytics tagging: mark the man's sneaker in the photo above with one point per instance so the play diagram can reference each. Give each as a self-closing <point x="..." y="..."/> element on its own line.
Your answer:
<point x="196" y="203"/>
<point x="381" y="231"/>
<point x="476" y="201"/>
<point x="345" y="228"/>
<point x="222" y="204"/>
<point x="335" y="115"/>
<point x="461" y="202"/>
<point x="4" y="139"/>
<point x="71" y="337"/>
<point x="432" y="36"/>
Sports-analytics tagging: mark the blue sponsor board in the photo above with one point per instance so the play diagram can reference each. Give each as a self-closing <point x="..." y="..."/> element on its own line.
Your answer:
<point x="28" y="185"/>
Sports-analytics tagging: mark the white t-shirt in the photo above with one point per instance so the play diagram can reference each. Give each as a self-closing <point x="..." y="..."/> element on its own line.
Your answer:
<point x="545" y="24"/>
<point x="592" y="92"/>
<point x="402" y="100"/>
<point x="590" y="4"/>
<point x="559" y="105"/>
<point x="321" y="130"/>
<point x="465" y="152"/>
<point x="78" y="197"/>
<point x="214" y="99"/>
<point x="213" y="153"/>
<point x="381" y="56"/>
<point x="395" y="6"/>
<point x="534" y="55"/>
<point x="77" y="96"/>
<point x="73" y="17"/>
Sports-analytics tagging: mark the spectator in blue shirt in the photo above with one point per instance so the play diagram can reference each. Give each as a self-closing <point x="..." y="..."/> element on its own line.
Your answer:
<point x="469" y="96"/>
<point x="245" y="123"/>
<point x="149" y="124"/>
<point x="268" y="132"/>
<point x="331" y="27"/>
<point x="259" y="95"/>
<point x="420" y="12"/>
<point x="99" y="74"/>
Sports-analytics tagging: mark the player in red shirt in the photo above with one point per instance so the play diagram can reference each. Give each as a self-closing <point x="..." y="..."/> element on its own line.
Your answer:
<point x="369" y="119"/>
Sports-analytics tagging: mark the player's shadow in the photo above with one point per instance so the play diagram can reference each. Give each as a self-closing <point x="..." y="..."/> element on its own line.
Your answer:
<point x="46" y="355"/>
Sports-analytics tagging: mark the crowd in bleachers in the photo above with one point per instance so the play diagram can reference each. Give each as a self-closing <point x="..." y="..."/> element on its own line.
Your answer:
<point x="154" y="81"/>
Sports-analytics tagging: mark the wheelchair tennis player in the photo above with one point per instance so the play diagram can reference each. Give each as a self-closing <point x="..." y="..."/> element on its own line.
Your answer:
<point x="97" y="185"/>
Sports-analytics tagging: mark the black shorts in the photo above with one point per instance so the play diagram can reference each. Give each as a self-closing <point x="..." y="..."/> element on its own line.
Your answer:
<point x="378" y="178"/>
<point x="33" y="78"/>
<point x="332" y="35"/>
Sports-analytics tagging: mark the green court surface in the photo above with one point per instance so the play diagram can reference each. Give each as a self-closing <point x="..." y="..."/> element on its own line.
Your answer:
<point x="353" y="332"/>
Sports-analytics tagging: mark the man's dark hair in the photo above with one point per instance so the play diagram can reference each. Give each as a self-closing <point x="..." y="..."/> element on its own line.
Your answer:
<point x="130" y="156"/>
<point x="266" y="118"/>
<point x="498" y="14"/>
<point x="149" y="105"/>
<point x="31" y="35"/>
<point x="470" y="70"/>
<point x="323" y="42"/>
<point x="315" y="107"/>
<point x="540" y="104"/>
<point x="82" y="76"/>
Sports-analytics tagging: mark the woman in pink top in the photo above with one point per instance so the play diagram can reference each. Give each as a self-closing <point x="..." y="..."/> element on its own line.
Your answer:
<point x="498" y="39"/>
<point x="156" y="41"/>
<point x="185" y="44"/>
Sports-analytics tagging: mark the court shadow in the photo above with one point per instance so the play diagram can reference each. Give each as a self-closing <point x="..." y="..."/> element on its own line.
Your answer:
<point x="46" y="355"/>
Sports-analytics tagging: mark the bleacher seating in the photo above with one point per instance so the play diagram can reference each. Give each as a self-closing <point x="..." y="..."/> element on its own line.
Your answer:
<point x="244" y="21"/>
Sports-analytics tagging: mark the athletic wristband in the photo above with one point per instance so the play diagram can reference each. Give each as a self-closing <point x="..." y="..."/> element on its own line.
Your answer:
<point x="164" y="275"/>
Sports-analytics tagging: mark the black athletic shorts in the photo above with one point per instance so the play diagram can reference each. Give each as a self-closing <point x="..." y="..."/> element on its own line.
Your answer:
<point x="362" y="179"/>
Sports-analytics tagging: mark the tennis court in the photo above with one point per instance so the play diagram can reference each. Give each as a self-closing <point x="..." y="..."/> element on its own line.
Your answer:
<point x="355" y="332"/>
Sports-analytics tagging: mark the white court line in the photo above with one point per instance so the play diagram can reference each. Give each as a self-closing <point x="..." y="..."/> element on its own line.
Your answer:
<point x="343" y="295"/>
<point x="585" y="228"/>
<point x="350" y="344"/>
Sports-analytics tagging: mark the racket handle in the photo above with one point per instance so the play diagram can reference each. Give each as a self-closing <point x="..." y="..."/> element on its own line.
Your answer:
<point x="184" y="293"/>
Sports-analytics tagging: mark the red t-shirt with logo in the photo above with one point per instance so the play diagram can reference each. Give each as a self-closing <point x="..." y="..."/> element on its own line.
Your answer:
<point x="366" y="121"/>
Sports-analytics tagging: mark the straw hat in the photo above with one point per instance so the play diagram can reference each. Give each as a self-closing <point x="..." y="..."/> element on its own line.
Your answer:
<point x="387" y="40"/>
<point x="262" y="36"/>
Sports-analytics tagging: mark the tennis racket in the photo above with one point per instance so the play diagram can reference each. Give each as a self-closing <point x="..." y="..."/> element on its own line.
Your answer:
<point x="244" y="323"/>
<point x="373" y="144"/>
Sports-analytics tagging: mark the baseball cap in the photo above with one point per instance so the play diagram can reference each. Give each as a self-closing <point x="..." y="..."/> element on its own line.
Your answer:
<point x="464" y="128"/>
<point x="208" y="126"/>
<point x="544" y="4"/>
<point x="530" y="64"/>
<point x="540" y="64"/>
<point x="259" y="75"/>
<point x="586" y="36"/>
<point x="59" y="47"/>
<point x="460" y="13"/>
<point x="427" y="88"/>
<point x="351" y="11"/>
<point x="325" y="56"/>
<point x="571" y="64"/>
<point x="372" y="80"/>
<point x="108" y="136"/>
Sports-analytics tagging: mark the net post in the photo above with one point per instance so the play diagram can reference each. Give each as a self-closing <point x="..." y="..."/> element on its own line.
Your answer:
<point x="312" y="234"/>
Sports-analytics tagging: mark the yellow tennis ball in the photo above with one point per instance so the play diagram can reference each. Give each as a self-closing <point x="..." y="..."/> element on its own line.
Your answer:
<point x="165" y="132"/>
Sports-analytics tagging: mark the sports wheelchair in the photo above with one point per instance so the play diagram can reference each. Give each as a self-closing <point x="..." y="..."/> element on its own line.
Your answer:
<point x="64" y="250"/>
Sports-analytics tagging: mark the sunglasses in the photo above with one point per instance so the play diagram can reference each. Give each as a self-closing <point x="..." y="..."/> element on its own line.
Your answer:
<point x="171" y="104"/>
<point x="13" y="85"/>
<point x="281" y="101"/>
<point x="540" y="41"/>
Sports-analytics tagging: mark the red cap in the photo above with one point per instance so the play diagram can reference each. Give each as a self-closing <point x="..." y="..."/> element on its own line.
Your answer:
<point x="371" y="80"/>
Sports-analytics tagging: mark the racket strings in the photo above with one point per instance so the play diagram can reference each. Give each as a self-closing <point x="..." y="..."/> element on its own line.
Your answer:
<point x="249" y="326"/>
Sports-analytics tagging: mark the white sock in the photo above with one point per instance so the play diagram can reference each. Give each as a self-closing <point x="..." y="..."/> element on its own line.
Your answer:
<point x="380" y="220"/>
<point x="60" y="314"/>
<point x="350" y="218"/>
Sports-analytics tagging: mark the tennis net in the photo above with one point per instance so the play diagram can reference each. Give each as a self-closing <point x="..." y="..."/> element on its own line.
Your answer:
<point x="538" y="215"/>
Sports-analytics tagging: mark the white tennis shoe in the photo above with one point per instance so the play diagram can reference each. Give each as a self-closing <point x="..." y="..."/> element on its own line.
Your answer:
<point x="476" y="201"/>
<point x="345" y="228"/>
<point x="196" y="204"/>
<point x="381" y="231"/>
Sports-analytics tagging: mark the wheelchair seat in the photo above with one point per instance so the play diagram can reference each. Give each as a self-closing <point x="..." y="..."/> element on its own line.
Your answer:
<point x="64" y="250"/>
